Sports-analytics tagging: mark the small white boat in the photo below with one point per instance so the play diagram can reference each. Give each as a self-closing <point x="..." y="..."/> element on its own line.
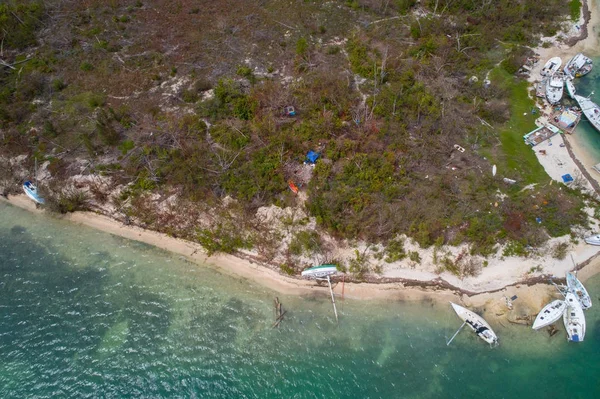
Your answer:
<point x="590" y="110"/>
<point x="555" y="88"/>
<point x="579" y="291"/>
<point x="593" y="240"/>
<point x="570" y="88"/>
<point x="31" y="191"/>
<point x="477" y="324"/>
<point x="320" y="271"/>
<point x="578" y="66"/>
<point x="552" y="66"/>
<point x="549" y="314"/>
<point x="574" y="319"/>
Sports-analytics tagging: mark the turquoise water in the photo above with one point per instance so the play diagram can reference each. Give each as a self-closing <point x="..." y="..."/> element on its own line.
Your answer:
<point x="589" y="85"/>
<point x="86" y="314"/>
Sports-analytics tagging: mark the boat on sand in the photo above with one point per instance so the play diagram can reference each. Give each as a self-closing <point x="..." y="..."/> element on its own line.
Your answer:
<point x="321" y="271"/>
<point x="574" y="319"/>
<point x="552" y="66"/>
<point x="555" y="88"/>
<point x="577" y="288"/>
<point x="593" y="240"/>
<point x="32" y="192"/>
<point x="549" y="314"/>
<point x="477" y="324"/>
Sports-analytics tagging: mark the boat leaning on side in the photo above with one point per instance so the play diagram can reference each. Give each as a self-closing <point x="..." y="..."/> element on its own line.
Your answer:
<point x="574" y="319"/>
<point x="577" y="288"/>
<point x="320" y="271"/>
<point x="593" y="240"/>
<point x="578" y="66"/>
<point x="590" y="109"/>
<point x="477" y="324"/>
<point x="549" y="314"/>
<point x="32" y="192"/>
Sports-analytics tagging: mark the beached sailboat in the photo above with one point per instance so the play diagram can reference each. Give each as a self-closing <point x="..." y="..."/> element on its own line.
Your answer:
<point x="31" y="191"/>
<point x="554" y="88"/>
<point x="552" y="66"/>
<point x="578" y="66"/>
<point x="321" y="271"/>
<point x="579" y="291"/>
<point x="477" y="324"/>
<point x="593" y="240"/>
<point x="549" y="314"/>
<point x="590" y="110"/>
<point x="574" y="319"/>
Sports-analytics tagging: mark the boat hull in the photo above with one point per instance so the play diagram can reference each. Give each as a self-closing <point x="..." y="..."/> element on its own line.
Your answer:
<point x="577" y="288"/>
<point x="320" y="271"/>
<point x="31" y="191"/>
<point x="574" y="319"/>
<point x="549" y="314"/>
<point x="477" y="324"/>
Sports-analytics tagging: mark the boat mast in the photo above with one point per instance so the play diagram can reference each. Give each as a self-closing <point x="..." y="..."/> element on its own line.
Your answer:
<point x="332" y="299"/>
<point x="456" y="333"/>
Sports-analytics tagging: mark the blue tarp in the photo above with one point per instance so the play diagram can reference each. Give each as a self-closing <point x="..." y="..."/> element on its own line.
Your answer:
<point x="311" y="156"/>
<point x="567" y="178"/>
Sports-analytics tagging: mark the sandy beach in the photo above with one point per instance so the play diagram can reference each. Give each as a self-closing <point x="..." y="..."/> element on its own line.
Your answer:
<point x="532" y="293"/>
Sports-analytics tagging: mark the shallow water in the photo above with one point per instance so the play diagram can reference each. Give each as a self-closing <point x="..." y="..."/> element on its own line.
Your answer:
<point x="87" y="314"/>
<point x="589" y="85"/>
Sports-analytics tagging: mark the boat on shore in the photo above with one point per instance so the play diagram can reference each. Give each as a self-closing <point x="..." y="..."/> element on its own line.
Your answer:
<point x="551" y="67"/>
<point x="549" y="314"/>
<point x="578" y="66"/>
<point x="577" y="288"/>
<point x="590" y="109"/>
<point x="555" y="88"/>
<point x="574" y="319"/>
<point x="32" y="192"/>
<point x="593" y="240"/>
<point x="477" y="324"/>
<point x="321" y="271"/>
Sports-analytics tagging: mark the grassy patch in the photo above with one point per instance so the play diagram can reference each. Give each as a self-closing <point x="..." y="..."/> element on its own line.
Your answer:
<point x="517" y="156"/>
<point x="575" y="9"/>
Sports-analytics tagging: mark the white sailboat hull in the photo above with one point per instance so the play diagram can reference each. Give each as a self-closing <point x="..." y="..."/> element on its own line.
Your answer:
<point x="579" y="291"/>
<point x="593" y="240"/>
<point x="574" y="319"/>
<point x="590" y="110"/>
<point x="549" y="314"/>
<point x="552" y="66"/>
<point x="477" y="324"/>
<point x="554" y="89"/>
<point x="319" y="272"/>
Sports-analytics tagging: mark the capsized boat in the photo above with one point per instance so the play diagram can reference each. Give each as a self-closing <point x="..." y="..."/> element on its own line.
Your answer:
<point x="574" y="319"/>
<point x="32" y="192"/>
<point x="549" y="314"/>
<point x="552" y="66"/>
<point x="578" y="66"/>
<point x="477" y="324"/>
<point x="579" y="291"/>
<point x="593" y="240"/>
<point x="320" y="271"/>
<point x="590" y="110"/>
<point x="554" y="88"/>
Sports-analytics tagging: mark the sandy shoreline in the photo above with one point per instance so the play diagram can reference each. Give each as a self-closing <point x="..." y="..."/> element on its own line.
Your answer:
<point x="531" y="293"/>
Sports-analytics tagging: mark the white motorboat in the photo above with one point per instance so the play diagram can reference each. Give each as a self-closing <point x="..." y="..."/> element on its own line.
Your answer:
<point x="590" y="110"/>
<point x="593" y="240"/>
<point x="321" y="271"/>
<point x="574" y="319"/>
<point x="555" y="88"/>
<point x="579" y="291"/>
<point x="552" y="66"/>
<point x="570" y="88"/>
<point x="578" y="66"/>
<point x="477" y="324"/>
<point x="549" y="314"/>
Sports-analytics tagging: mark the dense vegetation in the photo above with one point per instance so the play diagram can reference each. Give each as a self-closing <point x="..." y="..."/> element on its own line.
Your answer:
<point x="383" y="89"/>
